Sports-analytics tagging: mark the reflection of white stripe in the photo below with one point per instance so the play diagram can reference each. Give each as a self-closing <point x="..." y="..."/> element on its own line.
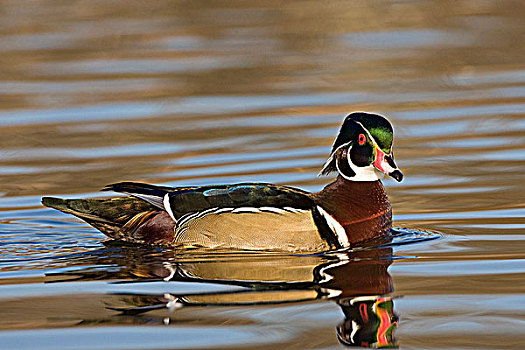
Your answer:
<point x="167" y="206"/>
<point x="355" y="328"/>
<point x="336" y="227"/>
<point x="325" y="277"/>
<point x="170" y="268"/>
<point x="331" y="293"/>
<point x="364" y="298"/>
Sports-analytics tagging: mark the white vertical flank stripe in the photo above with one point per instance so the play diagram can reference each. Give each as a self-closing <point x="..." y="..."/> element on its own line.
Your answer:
<point x="336" y="227"/>
<point x="167" y="206"/>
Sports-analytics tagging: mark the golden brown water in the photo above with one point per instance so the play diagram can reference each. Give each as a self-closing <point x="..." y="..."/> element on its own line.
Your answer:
<point x="194" y="92"/>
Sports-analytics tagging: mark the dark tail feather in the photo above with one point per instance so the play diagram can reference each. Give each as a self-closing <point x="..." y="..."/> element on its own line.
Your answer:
<point x="150" y="193"/>
<point x="138" y="187"/>
<point x="108" y="215"/>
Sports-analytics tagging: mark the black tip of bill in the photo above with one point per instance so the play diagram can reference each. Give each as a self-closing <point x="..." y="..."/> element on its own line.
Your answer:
<point x="396" y="174"/>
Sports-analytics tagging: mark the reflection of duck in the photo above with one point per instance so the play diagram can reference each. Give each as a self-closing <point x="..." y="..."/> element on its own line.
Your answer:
<point x="259" y="216"/>
<point x="369" y="322"/>
<point x="358" y="281"/>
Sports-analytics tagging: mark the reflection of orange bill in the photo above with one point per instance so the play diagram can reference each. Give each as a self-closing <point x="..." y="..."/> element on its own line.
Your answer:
<point x="387" y="323"/>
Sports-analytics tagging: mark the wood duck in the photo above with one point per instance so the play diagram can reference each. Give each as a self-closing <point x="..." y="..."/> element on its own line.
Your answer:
<point x="260" y="216"/>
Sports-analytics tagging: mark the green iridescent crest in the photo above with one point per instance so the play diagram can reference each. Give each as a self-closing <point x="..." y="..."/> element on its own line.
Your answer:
<point x="378" y="126"/>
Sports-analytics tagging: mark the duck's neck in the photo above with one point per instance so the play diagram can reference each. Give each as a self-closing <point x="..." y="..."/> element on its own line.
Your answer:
<point x="361" y="207"/>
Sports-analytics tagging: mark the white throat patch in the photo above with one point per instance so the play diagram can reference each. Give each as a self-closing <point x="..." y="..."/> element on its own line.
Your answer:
<point x="367" y="173"/>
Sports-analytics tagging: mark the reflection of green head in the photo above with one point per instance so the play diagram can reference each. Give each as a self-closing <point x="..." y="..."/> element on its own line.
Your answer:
<point x="370" y="322"/>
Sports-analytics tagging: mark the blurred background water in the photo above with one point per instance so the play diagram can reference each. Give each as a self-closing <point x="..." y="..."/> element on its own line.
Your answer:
<point x="207" y="92"/>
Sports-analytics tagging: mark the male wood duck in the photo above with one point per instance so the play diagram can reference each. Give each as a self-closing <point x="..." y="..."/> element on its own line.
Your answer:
<point x="259" y="216"/>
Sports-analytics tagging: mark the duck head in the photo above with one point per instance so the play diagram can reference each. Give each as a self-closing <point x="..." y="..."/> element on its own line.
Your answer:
<point x="362" y="148"/>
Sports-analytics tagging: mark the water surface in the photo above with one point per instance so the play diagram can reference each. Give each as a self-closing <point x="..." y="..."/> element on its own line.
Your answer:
<point x="199" y="93"/>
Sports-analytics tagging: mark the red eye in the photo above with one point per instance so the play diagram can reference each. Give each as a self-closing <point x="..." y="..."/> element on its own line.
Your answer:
<point x="362" y="139"/>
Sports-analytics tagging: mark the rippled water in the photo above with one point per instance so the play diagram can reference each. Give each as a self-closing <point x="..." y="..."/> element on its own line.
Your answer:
<point x="200" y="93"/>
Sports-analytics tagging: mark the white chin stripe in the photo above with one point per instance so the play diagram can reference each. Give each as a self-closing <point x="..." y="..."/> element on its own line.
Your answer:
<point x="366" y="173"/>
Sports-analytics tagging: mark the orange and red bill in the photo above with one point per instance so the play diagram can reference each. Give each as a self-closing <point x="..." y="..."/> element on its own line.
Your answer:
<point x="385" y="163"/>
